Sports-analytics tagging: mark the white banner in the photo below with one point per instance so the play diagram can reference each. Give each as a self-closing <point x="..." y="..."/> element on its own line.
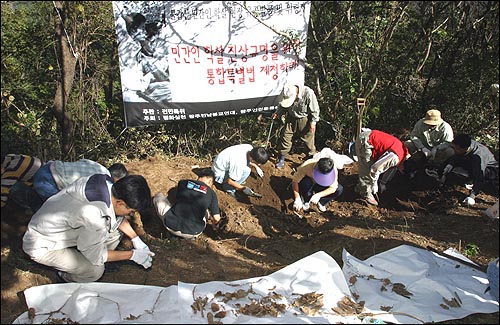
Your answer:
<point x="182" y="60"/>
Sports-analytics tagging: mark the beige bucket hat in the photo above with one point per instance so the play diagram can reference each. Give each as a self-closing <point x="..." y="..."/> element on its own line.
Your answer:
<point x="433" y="117"/>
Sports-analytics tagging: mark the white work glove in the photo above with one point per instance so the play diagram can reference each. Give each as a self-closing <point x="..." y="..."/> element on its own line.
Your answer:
<point x="259" y="171"/>
<point x="426" y="152"/>
<point x="447" y="169"/>
<point x="297" y="204"/>
<point x="139" y="244"/>
<point x="142" y="257"/>
<point x="315" y="198"/>
<point x="247" y="190"/>
<point x="469" y="201"/>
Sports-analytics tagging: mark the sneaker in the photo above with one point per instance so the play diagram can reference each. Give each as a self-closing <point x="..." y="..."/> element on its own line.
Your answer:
<point x="321" y="207"/>
<point x="432" y="173"/>
<point x="306" y="207"/>
<point x="371" y="200"/>
<point x="61" y="277"/>
<point x="281" y="162"/>
<point x="161" y="204"/>
<point x="469" y="186"/>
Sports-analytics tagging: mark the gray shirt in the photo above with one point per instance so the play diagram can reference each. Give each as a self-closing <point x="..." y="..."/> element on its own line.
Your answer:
<point x="422" y="136"/>
<point x="306" y="105"/>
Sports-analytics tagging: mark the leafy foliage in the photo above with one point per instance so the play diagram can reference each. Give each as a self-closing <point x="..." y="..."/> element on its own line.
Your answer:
<point x="402" y="56"/>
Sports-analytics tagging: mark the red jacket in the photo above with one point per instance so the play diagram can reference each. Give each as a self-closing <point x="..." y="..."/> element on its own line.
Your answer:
<point x="383" y="142"/>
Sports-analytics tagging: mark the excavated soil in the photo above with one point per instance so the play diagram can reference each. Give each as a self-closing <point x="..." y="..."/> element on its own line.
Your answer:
<point x="259" y="236"/>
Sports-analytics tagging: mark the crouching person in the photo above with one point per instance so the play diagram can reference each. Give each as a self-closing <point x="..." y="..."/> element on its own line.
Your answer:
<point x="476" y="159"/>
<point x="315" y="182"/>
<point x="377" y="152"/>
<point x="195" y="203"/>
<point x="77" y="230"/>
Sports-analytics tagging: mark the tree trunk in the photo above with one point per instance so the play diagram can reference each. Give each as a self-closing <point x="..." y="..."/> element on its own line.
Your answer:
<point x="65" y="83"/>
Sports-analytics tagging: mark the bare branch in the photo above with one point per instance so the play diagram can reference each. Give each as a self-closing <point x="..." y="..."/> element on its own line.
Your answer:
<point x="373" y="88"/>
<point x="429" y="46"/>
<point x="7" y="103"/>
<point x="293" y="42"/>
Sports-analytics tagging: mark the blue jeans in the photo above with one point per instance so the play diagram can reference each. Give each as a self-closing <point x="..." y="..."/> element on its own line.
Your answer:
<point x="25" y="196"/>
<point x="228" y="188"/>
<point x="307" y="188"/>
<point x="44" y="183"/>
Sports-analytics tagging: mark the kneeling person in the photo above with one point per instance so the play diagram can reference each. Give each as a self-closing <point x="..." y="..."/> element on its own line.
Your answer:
<point x="315" y="182"/>
<point x="195" y="202"/>
<point x="77" y="230"/>
<point x="477" y="160"/>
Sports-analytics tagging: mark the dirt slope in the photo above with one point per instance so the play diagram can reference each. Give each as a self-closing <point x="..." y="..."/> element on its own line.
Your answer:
<point x="261" y="236"/>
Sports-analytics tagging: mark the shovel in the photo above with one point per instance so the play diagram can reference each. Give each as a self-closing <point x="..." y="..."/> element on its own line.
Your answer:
<point x="269" y="134"/>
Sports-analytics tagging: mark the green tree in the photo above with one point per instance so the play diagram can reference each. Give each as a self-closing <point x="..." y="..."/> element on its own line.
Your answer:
<point x="402" y="56"/>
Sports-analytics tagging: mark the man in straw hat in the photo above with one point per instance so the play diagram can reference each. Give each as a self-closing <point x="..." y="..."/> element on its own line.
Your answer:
<point x="315" y="182"/>
<point x="302" y="114"/>
<point x="432" y="137"/>
<point x="377" y="152"/>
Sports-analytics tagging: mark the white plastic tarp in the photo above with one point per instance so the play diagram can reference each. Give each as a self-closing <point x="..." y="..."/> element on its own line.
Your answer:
<point x="427" y="276"/>
<point x="415" y="285"/>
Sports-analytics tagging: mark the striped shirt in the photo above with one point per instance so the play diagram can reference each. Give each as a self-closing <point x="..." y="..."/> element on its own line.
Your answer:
<point x="17" y="168"/>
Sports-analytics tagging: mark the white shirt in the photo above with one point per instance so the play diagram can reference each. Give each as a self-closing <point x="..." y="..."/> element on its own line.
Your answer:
<point x="69" y="219"/>
<point x="232" y="160"/>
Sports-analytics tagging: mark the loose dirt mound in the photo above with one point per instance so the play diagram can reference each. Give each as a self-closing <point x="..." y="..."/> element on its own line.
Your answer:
<point x="261" y="236"/>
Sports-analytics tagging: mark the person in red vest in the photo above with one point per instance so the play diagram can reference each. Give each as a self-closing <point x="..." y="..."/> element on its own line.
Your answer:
<point x="377" y="152"/>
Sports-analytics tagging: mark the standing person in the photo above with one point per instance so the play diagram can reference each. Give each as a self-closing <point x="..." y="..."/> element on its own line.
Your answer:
<point x="476" y="159"/>
<point x="232" y="166"/>
<point x="432" y="136"/>
<point x="77" y="230"/>
<point x="315" y="182"/>
<point x="377" y="152"/>
<point x="56" y="175"/>
<point x="302" y="114"/>
<point x="195" y="203"/>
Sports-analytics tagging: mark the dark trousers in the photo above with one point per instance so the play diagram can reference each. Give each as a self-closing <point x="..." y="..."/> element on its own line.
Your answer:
<point x="307" y="188"/>
<point x="472" y="164"/>
<point x="25" y="196"/>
